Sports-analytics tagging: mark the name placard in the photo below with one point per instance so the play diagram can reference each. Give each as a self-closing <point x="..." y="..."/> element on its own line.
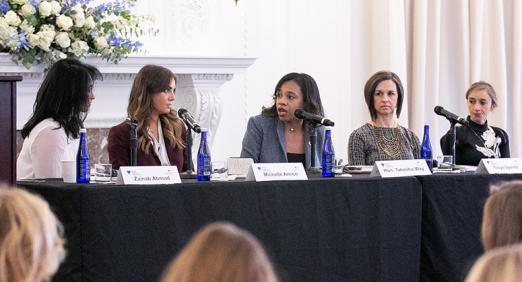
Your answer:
<point x="276" y="171"/>
<point x="400" y="168"/>
<point x="499" y="166"/>
<point x="239" y="166"/>
<point x="148" y="175"/>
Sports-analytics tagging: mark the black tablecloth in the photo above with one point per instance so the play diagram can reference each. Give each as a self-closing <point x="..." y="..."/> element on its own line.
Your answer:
<point x="364" y="229"/>
<point x="452" y="208"/>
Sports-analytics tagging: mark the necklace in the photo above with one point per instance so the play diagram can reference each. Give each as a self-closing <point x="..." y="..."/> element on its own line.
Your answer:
<point x="292" y="129"/>
<point x="390" y="146"/>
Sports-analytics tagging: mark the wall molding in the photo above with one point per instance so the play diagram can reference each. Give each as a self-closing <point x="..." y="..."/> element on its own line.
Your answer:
<point x="199" y="81"/>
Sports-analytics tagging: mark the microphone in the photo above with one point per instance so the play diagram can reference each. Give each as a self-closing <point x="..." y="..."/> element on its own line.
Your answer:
<point x="450" y="116"/>
<point x="133" y="140"/>
<point x="302" y="114"/>
<point x="189" y="120"/>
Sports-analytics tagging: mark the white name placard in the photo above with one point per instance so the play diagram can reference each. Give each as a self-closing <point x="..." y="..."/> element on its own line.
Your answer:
<point x="400" y="168"/>
<point x="500" y="166"/>
<point x="239" y="166"/>
<point x="148" y="175"/>
<point x="276" y="171"/>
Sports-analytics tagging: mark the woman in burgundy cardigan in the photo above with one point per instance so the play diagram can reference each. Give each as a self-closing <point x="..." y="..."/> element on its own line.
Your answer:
<point x="161" y="133"/>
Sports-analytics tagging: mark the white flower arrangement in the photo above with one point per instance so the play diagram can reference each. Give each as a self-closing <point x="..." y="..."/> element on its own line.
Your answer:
<point x="44" y="31"/>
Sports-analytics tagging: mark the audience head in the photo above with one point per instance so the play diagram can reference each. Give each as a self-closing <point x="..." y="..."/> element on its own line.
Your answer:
<point x="481" y="99"/>
<point x="221" y="252"/>
<point x="151" y="97"/>
<point x="295" y="91"/>
<point x="384" y="83"/>
<point x="64" y="95"/>
<point x="31" y="245"/>
<point x="499" y="265"/>
<point x="502" y="221"/>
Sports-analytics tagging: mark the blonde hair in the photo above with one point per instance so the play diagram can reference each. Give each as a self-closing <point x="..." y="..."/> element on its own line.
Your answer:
<point x="502" y="221"/>
<point x="501" y="264"/>
<point x="221" y="252"/>
<point x="31" y="245"/>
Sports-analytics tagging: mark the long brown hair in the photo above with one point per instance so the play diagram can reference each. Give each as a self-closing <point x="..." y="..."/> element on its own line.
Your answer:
<point x="150" y="80"/>
<point x="502" y="221"/>
<point x="221" y="252"/>
<point x="31" y="242"/>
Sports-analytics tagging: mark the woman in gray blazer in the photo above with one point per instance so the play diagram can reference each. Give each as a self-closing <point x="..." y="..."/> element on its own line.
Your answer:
<point x="276" y="135"/>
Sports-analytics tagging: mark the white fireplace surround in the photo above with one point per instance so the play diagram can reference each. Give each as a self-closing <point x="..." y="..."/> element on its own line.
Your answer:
<point x="197" y="89"/>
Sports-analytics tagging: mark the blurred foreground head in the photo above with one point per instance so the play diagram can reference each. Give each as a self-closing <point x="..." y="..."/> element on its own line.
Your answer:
<point x="31" y="244"/>
<point x="221" y="252"/>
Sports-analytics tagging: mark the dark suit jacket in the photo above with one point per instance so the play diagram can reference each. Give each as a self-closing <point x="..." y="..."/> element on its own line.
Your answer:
<point x="119" y="150"/>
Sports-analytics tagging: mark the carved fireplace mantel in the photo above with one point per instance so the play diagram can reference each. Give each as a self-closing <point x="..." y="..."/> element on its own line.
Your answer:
<point x="199" y="81"/>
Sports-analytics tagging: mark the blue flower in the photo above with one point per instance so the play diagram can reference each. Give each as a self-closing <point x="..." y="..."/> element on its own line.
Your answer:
<point x="115" y="41"/>
<point x="35" y="2"/>
<point x="69" y="4"/>
<point x="4" y="6"/>
<point x="120" y="42"/>
<point x="22" y="42"/>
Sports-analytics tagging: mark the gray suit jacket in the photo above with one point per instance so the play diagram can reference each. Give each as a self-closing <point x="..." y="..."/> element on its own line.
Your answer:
<point x="264" y="141"/>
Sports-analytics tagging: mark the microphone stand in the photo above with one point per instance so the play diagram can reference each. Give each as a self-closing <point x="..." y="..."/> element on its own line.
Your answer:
<point x="313" y="141"/>
<point x="188" y="159"/>
<point x="313" y="170"/>
<point x="133" y="143"/>
<point x="453" y="138"/>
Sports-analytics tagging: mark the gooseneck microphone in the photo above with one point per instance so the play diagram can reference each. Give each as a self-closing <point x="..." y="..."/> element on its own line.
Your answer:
<point x="450" y="116"/>
<point x="302" y="114"/>
<point x="189" y="120"/>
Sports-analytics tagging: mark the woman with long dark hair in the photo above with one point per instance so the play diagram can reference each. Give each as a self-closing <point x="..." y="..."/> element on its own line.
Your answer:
<point x="161" y="133"/>
<point x="51" y="134"/>
<point x="276" y="135"/>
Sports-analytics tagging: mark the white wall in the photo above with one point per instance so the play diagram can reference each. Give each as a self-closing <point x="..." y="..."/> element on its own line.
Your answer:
<point x="340" y="43"/>
<point x="285" y="36"/>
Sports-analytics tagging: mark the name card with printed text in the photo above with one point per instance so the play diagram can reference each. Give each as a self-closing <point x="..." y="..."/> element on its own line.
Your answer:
<point x="499" y="166"/>
<point x="400" y="168"/>
<point x="276" y="171"/>
<point x="148" y="175"/>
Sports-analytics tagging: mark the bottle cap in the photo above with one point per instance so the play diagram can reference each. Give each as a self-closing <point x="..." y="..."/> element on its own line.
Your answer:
<point x="83" y="130"/>
<point x="204" y="129"/>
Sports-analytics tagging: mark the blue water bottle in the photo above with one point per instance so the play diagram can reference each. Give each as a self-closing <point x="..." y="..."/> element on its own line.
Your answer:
<point x="83" y="164"/>
<point x="204" y="165"/>
<point x="426" y="147"/>
<point x="328" y="156"/>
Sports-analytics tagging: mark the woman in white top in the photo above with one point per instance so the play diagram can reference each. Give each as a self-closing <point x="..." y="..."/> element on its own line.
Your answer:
<point x="51" y="134"/>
